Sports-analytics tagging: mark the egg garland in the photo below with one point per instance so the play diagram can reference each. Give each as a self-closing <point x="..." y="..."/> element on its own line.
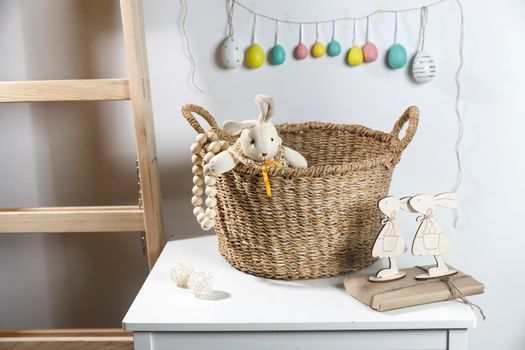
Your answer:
<point x="231" y="52"/>
<point x="355" y="54"/>
<point x="204" y="181"/>
<point x="334" y="47"/>
<point x="397" y="54"/>
<point x="300" y="52"/>
<point x="277" y="53"/>
<point x="254" y="54"/>
<point x="370" y="52"/>
<point x="423" y="65"/>
<point x="318" y="49"/>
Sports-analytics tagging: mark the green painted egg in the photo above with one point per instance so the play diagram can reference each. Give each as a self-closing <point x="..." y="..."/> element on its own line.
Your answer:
<point x="397" y="56"/>
<point x="277" y="55"/>
<point x="334" y="48"/>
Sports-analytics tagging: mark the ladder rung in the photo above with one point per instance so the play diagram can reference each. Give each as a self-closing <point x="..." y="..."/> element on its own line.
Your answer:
<point x="72" y="219"/>
<point x="64" y="90"/>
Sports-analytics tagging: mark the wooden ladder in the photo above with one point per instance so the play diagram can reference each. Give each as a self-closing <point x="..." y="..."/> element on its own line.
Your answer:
<point x="145" y="217"/>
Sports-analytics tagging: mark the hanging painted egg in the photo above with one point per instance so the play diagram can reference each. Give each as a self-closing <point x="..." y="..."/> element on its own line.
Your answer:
<point x="397" y="56"/>
<point x="355" y="56"/>
<point x="423" y="67"/>
<point x="318" y="49"/>
<point x="231" y="52"/>
<point x="333" y="48"/>
<point x="369" y="52"/>
<point x="300" y="52"/>
<point x="254" y="56"/>
<point x="277" y="55"/>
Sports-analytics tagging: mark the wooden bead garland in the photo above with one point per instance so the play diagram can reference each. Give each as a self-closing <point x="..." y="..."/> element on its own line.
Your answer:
<point x="204" y="180"/>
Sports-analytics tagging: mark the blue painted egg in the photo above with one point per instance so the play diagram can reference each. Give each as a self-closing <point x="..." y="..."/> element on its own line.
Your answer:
<point x="277" y="55"/>
<point x="334" y="48"/>
<point x="397" y="56"/>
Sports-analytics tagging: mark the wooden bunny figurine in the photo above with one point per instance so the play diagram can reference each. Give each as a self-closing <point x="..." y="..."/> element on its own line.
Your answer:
<point x="390" y="242"/>
<point x="430" y="239"/>
<point x="258" y="143"/>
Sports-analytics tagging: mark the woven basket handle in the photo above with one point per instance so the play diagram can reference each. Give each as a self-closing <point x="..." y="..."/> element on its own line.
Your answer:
<point x="189" y="109"/>
<point x="411" y="116"/>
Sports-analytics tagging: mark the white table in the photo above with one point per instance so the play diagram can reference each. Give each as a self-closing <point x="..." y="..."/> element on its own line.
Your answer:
<point x="254" y="313"/>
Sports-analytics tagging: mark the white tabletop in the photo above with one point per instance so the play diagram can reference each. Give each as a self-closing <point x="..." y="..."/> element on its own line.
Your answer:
<point x="248" y="303"/>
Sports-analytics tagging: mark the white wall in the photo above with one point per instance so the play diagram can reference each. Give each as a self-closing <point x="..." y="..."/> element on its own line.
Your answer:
<point x="59" y="277"/>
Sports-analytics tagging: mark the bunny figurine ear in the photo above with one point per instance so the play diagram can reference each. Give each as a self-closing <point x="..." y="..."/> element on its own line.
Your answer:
<point x="447" y="200"/>
<point x="267" y="107"/>
<point x="405" y="205"/>
<point x="234" y="128"/>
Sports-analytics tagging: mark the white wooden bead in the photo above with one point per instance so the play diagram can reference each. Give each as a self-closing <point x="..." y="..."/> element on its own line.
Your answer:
<point x="196" y="159"/>
<point x="212" y="136"/>
<point x="197" y="180"/>
<point x="207" y="228"/>
<point x="224" y="145"/>
<point x="197" y="190"/>
<point x="206" y="169"/>
<point x="209" y="156"/>
<point x="214" y="147"/>
<point x="206" y="222"/>
<point x="210" y="180"/>
<point x="196" y="170"/>
<point x="198" y="210"/>
<point x="211" y="202"/>
<point x="201" y="217"/>
<point x="211" y="192"/>
<point x="210" y="213"/>
<point x="196" y="201"/>
<point x="201" y="138"/>
<point x="196" y="148"/>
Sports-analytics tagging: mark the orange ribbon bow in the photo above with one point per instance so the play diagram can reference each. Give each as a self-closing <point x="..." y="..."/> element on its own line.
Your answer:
<point x="264" y="170"/>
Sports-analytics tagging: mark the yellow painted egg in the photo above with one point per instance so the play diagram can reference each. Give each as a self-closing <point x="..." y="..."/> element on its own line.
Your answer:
<point x="355" y="56"/>
<point x="254" y="56"/>
<point x="318" y="49"/>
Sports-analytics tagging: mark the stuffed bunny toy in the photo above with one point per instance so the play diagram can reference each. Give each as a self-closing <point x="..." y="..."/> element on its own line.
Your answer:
<point x="258" y="142"/>
<point x="389" y="242"/>
<point x="431" y="239"/>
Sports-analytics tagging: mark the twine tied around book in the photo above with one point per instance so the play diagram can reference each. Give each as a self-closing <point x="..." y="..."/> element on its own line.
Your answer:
<point x="455" y="293"/>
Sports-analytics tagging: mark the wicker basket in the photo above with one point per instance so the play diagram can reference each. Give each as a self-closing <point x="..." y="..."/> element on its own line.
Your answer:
<point x="320" y="221"/>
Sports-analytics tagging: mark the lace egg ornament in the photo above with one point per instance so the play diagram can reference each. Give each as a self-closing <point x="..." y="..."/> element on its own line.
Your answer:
<point x="180" y="273"/>
<point x="200" y="283"/>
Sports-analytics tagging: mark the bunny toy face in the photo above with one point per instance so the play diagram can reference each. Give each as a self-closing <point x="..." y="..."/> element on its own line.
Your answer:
<point x="259" y="139"/>
<point x="389" y="206"/>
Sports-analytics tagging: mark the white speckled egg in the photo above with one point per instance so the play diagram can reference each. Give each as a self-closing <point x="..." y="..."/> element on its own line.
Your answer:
<point x="423" y="67"/>
<point x="232" y="52"/>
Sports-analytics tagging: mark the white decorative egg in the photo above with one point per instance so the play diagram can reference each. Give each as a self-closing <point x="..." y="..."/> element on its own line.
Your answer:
<point x="232" y="52"/>
<point x="423" y="67"/>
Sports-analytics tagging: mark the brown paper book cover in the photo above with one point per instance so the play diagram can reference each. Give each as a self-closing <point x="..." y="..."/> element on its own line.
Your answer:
<point x="384" y="296"/>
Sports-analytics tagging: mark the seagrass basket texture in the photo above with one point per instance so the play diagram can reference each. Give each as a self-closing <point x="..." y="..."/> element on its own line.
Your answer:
<point x="320" y="221"/>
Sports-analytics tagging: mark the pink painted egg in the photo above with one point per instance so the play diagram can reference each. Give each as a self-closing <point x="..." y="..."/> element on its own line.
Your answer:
<point x="369" y="52"/>
<point x="300" y="52"/>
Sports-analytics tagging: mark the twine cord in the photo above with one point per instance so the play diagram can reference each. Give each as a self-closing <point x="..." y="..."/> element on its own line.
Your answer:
<point x="229" y="13"/>
<point x="188" y="49"/>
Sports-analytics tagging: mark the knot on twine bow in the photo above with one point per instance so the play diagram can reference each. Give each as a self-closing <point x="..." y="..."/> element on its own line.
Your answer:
<point x="455" y="293"/>
<point x="264" y="170"/>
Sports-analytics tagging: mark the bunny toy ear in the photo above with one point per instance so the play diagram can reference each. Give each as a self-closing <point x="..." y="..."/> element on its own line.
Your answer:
<point x="267" y="107"/>
<point x="234" y="128"/>
<point x="447" y="200"/>
<point x="405" y="205"/>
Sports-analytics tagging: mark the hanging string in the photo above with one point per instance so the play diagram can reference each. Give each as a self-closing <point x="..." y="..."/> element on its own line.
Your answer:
<point x="367" y="27"/>
<point x="333" y="30"/>
<point x="423" y="27"/>
<point x="229" y="12"/>
<point x="282" y="20"/>
<point x="300" y="33"/>
<point x="317" y="31"/>
<point x="459" y="176"/>
<point x="395" y="29"/>
<point x="188" y="49"/>
<point x="353" y="38"/>
<point x="276" y="32"/>
<point x="253" y="27"/>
